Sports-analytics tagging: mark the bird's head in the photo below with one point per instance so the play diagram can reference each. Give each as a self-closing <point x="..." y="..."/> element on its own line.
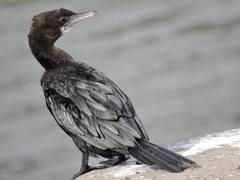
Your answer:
<point x="50" y="25"/>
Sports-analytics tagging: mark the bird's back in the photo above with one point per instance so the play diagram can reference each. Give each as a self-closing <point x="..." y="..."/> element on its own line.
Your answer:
<point x="87" y="104"/>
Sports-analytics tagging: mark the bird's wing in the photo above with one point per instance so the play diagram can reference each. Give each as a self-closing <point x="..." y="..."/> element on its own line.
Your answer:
<point x="95" y="110"/>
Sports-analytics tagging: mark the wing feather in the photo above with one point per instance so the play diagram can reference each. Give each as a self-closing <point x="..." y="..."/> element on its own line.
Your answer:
<point x="95" y="110"/>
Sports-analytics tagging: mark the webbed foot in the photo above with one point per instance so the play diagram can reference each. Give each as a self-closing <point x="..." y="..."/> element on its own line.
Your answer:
<point x="88" y="169"/>
<point x="115" y="161"/>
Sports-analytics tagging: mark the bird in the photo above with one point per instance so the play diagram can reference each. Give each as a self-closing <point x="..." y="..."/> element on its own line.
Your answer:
<point x="89" y="106"/>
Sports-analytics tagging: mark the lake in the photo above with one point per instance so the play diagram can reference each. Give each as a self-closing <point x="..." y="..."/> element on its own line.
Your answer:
<point x="179" y="62"/>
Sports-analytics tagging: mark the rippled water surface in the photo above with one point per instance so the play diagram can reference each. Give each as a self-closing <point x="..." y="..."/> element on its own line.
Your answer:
<point x="179" y="61"/>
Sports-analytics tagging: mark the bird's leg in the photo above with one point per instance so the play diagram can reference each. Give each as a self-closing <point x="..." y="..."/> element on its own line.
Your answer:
<point x="85" y="167"/>
<point x="116" y="160"/>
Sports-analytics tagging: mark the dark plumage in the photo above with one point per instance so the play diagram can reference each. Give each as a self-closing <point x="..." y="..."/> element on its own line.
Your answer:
<point x="88" y="106"/>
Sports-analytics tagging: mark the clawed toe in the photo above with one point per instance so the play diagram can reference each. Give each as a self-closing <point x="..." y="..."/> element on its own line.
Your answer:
<point x="103" y="166"/>
<point x="115" y="161"/>
<point x="138" y="162"/>
<point x="110" y="162"/>
<point x="88" y="169"/>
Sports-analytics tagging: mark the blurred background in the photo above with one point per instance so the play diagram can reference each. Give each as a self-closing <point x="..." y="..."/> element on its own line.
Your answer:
<point x="179" y="62"/>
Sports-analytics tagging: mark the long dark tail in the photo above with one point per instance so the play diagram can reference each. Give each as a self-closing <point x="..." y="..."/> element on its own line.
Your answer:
<point x="151" y="154"/>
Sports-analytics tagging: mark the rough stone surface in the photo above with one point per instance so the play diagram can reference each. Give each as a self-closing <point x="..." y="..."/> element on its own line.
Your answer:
<point x="218" y="155"/>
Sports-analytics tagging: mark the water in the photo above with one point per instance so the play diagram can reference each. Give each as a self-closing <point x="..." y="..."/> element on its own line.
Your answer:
<point x="177" y="60"/>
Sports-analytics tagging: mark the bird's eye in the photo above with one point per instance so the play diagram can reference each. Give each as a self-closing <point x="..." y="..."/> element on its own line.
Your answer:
<point x="63" y="20"/>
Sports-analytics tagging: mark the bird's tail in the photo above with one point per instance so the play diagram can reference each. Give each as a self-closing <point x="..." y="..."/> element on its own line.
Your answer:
<point x="151" y="154"/>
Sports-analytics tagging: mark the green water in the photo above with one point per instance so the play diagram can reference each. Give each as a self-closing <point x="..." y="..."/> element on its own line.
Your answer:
<point x="179" y="61"/>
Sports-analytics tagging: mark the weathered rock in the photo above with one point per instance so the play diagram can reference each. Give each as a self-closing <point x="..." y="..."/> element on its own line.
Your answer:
<point x="218" y="154"/>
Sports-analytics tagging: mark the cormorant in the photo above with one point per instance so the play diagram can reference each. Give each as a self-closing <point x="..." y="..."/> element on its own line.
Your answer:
<point x="88" y="106"/>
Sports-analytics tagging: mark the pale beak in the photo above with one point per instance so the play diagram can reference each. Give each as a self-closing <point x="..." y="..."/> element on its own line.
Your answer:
<point x="76" y="18"/>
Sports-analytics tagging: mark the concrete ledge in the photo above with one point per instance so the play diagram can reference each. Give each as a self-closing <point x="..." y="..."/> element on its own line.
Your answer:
<point x="218" y="154"/>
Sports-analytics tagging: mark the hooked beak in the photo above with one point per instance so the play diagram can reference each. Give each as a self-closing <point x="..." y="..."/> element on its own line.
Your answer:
<point x="76" y="18"/>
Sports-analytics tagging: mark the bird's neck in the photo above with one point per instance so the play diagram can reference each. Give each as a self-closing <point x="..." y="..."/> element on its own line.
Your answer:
<point x="46" y="53"/>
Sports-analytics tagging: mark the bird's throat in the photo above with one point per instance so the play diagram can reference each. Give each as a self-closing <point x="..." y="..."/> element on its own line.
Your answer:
<point x="46" y="53"/>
